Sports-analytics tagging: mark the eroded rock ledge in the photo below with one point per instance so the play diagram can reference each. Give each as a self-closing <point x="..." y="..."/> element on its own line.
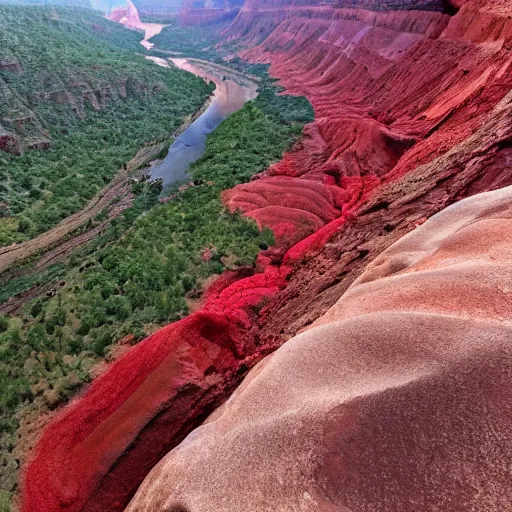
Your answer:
<point x="397" y="399"/>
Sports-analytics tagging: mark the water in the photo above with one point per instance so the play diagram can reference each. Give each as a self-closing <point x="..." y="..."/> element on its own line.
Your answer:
<point x="229" y="96"/>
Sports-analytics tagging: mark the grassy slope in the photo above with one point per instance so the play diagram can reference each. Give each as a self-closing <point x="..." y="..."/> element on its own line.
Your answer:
<point x="56" y="47"/>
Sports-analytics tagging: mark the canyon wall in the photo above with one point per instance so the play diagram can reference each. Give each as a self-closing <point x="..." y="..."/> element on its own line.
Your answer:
<point x="397" y="399"/>
<point x="34" y="100"/>
<point x="407" y="105"/>
<point x="25" y="127"/>
<point x="413" y="113"/>
<point x="205" y="12"/>
<point x="191" y="17"/>
<point x="158" y="11"/>
<point x="375" y="5"/>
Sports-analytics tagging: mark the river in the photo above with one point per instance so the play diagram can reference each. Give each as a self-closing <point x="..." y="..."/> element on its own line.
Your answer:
<point x="232" y="91"/>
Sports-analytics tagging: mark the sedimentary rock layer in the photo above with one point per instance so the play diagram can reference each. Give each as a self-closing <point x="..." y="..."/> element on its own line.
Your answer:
<point x="391" y="91"/>
<point x="396" y="95"/>
<point x="397" y="399"/>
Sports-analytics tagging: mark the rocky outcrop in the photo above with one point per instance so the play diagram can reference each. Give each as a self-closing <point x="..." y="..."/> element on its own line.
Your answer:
<point x="127" y="15"/>
<point x="325" y="264"/>
<point x="9" y="143"/>
<point x="396" y="399"/>
<point x="12" y="65"/>
<point x="336" y="164"/>
<point x="26" y="131"/>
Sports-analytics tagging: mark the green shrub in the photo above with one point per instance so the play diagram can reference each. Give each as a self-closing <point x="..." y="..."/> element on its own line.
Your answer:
<point x="4" y="323"/>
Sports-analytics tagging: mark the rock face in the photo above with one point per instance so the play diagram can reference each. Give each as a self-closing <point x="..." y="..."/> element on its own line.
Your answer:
<point x="127" y="15"/>
<point x="397" y="399"/>
<point x="157" y="10"/>
<point x="391" y="91"/>
<point x="24" y="128"/>
<point x="204" y="12"/>
<point x="190" y="17"/>
<point x="413" y="113"/>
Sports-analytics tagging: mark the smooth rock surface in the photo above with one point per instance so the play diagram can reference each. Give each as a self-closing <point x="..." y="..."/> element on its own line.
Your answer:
<point x="398" y="399"/>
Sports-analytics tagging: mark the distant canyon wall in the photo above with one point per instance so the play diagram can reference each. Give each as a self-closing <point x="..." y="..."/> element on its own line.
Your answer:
<point x="377" y="5"/>
<point x="158" y="11"/>
<point x="191" y="17"/>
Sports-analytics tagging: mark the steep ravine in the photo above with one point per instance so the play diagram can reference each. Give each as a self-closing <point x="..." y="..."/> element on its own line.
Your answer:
<point x="412" y="114"/>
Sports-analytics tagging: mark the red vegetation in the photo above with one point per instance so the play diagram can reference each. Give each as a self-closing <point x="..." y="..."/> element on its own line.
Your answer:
<point x="101" y="447"/>
<point x="411" y="116"/>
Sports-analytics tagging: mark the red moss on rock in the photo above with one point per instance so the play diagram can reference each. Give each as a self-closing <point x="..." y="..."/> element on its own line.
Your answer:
<point x="96" y="453"/>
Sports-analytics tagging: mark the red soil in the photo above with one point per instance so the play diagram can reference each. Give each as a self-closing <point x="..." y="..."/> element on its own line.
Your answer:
<point x="100" y="448"/>
<point x="379" y="83"/>
<point x="398" y="399"/>
<point x="409" y="118"/>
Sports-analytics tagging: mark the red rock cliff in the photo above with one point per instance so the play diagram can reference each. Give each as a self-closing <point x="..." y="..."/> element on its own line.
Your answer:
<point x="397" y="399"/>
<point x="396" y="95"/>
<point x="412" y="114"/>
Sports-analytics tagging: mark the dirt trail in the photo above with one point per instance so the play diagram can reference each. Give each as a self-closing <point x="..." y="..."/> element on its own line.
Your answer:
<point x="118" y="187"/>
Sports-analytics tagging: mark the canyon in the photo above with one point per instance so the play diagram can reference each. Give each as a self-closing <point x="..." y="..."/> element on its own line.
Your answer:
<point x="379" y="296"/>
<point x="232" y="91"/>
